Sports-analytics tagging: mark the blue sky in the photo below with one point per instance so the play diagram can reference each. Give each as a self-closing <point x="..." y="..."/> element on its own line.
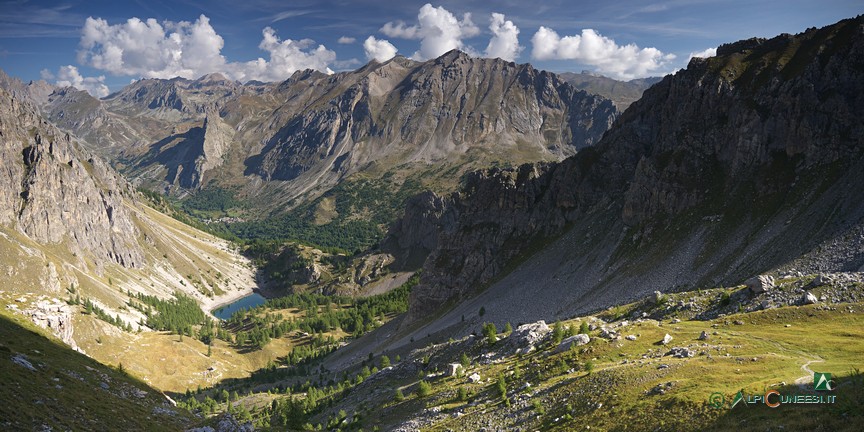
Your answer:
<point x="268" y="40"/>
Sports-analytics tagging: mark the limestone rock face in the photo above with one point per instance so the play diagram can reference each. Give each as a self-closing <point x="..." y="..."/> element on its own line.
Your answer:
<point x="53" y="192"/>
<point x="55" y="316"/>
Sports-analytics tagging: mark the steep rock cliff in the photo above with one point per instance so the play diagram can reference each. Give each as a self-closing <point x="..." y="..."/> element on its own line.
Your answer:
<point x="53" y="194"/>
<point x="745" y="161"/>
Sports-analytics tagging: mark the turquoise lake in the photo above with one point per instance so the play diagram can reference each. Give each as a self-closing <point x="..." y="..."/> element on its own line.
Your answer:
<point x="247" y="302"/>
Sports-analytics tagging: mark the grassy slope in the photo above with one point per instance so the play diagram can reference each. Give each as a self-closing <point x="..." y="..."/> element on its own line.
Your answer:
<point x="625" y="372"/>
<point x="65" y="391"/>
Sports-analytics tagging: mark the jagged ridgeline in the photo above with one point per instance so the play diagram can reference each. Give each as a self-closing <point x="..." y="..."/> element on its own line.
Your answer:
<point x="330" y="159"/>
<point x="741" y="163"/>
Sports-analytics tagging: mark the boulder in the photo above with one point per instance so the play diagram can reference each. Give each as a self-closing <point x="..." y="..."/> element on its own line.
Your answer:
<point x="453" y="369"/>
<point x="474" y="378"/>
<point x="703" y="335"/>
<point x="760" y="284"/>
<point x="809" y="298"/>
<point x="525" y="338"/>
<point x="630" y="337"/>
<point x="822" y="279"/>
<point x="656" y="298"/>
<point x="666" y="339"/>
<point x="576" y="340"/>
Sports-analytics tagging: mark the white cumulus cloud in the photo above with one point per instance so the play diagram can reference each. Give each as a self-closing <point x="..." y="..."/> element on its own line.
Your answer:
<point x="151" y="49"/>
<point x="505" y="39"/>
<point x="68" y="76"/>
<point x="345" y="40"/>
<point x="378" y="49"/>
<point x="437" y="29"/>
<point x="710" y="52"/>
<point x="591" y="48"/>
<point x="286" y="57"/>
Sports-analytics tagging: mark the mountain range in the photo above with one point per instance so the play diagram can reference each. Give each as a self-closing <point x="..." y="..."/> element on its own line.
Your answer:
<point x="313" y="129"/>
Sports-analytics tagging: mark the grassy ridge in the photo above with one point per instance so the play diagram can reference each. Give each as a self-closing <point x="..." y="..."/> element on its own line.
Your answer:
<point x="69" y="391"/>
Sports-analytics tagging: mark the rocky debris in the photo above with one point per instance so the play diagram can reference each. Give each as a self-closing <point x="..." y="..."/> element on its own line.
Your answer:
<point x="703" y="336"/>
<point x="681" y="352"/>
<point x="575" y="340"/>
<point x="22" y="360"/>
<point x="607" y="333"/>
<point x="660" y="389"/>
<point x="474" y="378"/>
<point x="760" y="284"/>
<point x="809" y="298"/>
<point x="666" y="339"/>
<point x="525" y="338"/>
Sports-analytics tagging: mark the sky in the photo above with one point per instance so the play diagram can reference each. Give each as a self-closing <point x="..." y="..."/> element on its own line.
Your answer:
<point x="101" y="46"/>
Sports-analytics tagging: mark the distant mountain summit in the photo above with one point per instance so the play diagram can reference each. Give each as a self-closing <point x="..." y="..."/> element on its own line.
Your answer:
<point x="622" y="93"/>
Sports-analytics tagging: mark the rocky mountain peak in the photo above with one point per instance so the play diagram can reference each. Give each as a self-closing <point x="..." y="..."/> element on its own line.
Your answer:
<point x="453" y="56"/>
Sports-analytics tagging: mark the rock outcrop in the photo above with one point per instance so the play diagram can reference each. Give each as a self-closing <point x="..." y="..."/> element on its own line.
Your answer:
<point x="53" y="192"/>
<point x="55" y="316"/>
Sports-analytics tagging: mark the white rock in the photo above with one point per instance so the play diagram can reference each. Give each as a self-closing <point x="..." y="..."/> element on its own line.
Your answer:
<point x="453" y="369"/>
<point x="666" y="339"/>
<point x="575" y="340"/>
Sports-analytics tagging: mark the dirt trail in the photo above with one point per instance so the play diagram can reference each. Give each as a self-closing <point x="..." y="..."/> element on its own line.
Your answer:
<point x="808" y="378"/>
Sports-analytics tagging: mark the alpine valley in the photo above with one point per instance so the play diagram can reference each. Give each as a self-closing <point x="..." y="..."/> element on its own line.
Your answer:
<point x="457" y="244"/>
